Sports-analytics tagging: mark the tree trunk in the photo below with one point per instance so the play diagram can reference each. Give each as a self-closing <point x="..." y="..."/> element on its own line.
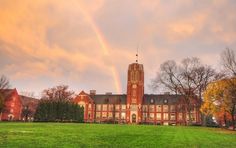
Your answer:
<point x="233" y="121"/>
<point x="232" y="115"/>
<point x="203" y="119"/>
<point x="26" y="117"/>
<point x="225" y="120"/>
<point x="189" y="118"/>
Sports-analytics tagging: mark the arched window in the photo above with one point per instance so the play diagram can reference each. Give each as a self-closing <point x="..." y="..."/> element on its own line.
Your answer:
<point x="132" y="76"/>
<point x="137" y="75"/>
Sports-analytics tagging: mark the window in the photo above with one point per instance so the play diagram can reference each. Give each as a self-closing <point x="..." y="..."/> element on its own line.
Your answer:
<point x="12" y="104"/>
<point x="123" y="107"/>
<point x="134" y="93"/>
<point x="104" y="114"/>
<point x="152" y="101"/>
<point x="180" y="116"/>
<point x="110" y="115"/>
<point x="151" y="116"/>
<point x="132" y="76"/>
<point x="134" y="86"/>
<point x="172" y="108"/>
<point x="111" y="107"/>
<point x="134" y="100"/>
<point x="81" y="104"/>
<point x="89" y="106"/>
<point x="133" y="107"/>
<point x="123" y="115"/>
<point x="117" y="115"/>
<point x="89" y="115"/>
<point x="144" y="108"/>
<point x="180" y="108"/>
<point x="151" y="108"/>
<point x="136" y="75"/>
<point x="144" y="116"/>
<point x="158" y="115"/>
<point x="98" y="107"/>
<point x="158" y="108"/>
<point x="98" y="114"/>
<point x="166" y="116"/>
<point x="104" y="107"/>
<point x="11" y="111"/>
<point x="165" y="101"/>
<point x="172" y="116"/>
<point x="193" y="109"/>
<point x="165" y="108"/>
<point x="117" y="107"/>
<point x="193" y="116"/>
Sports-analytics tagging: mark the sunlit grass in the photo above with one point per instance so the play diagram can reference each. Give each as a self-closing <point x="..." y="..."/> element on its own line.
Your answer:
<point x="104" y="135"/>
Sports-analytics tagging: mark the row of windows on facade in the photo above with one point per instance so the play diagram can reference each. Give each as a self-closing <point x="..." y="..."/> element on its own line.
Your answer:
<point x="150" y="116"/>
<point x="145" y="108"/>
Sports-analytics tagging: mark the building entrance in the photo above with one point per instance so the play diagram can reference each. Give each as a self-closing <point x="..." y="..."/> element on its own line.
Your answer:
<point x="133" y="118"/>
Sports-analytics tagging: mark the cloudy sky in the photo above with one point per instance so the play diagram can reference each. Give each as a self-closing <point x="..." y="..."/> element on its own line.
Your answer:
<point x="89" y="44"/>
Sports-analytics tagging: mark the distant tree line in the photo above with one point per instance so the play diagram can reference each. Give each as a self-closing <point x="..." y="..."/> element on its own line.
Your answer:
<point x="56" y="106"/>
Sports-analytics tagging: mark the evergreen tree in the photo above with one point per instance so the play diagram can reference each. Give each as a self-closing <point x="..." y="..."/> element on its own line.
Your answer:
<point x="63" y="111"/>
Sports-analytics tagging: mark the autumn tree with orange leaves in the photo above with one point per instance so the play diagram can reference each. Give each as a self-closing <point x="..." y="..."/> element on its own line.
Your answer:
<point x="220" y="101"/>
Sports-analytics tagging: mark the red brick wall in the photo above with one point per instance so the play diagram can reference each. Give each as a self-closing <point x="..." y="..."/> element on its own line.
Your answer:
<point x="12" y="107"/>
<point x="85" y="100"/>
<point x="135" y="90"/>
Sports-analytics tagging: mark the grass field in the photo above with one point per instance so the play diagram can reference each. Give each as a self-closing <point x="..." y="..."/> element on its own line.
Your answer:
<point x="103" y="135"/>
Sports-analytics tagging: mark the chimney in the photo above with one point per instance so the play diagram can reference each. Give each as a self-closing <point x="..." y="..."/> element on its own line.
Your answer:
<point x="108" y="93"/>
<point x="92" y="92"/>
<point x="166" y="93"/>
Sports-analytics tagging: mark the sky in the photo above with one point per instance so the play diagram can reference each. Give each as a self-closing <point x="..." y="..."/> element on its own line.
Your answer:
<point x="89" y="44"/>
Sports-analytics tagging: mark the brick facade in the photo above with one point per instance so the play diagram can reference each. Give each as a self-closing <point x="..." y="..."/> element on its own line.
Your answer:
<point x="12" y="105"/>
<point x="135" y="106"/>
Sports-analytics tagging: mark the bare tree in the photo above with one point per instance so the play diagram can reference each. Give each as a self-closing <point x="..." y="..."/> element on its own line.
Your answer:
<point x="231" y="99"/>
<point x="26" y="113"/>
<point x="4" y="83"/>
<point x="59" y="93"/>
<point x="188" y="79"/>
<point x="228" y="61"/>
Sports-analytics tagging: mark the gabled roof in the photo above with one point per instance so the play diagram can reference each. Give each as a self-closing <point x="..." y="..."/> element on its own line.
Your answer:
<point x="83" y="93"/>
<point x="6" y="92"/>
<point x="109" y="99"/>
<point x="28" y="100"/>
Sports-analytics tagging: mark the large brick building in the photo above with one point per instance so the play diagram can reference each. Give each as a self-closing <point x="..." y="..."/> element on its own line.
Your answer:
<point x="135" y="106"/>
<point x="14" y="104"/>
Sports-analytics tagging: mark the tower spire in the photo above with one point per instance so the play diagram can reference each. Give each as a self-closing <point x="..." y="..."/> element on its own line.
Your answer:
<point x="137" y="56"/>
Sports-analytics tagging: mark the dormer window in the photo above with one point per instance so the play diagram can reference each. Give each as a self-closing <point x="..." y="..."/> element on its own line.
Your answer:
<point x="152" y="101"/>
<point x="165" y="101"/>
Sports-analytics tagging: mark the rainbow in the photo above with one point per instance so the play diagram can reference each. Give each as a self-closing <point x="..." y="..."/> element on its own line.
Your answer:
<point x="104" y="47"/>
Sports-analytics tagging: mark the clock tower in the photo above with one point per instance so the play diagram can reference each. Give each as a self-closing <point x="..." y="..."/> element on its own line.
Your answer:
<point x="135" y="92"/>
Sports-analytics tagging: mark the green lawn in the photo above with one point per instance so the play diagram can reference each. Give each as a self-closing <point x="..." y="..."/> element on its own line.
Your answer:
<point x="103" y="135"/>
